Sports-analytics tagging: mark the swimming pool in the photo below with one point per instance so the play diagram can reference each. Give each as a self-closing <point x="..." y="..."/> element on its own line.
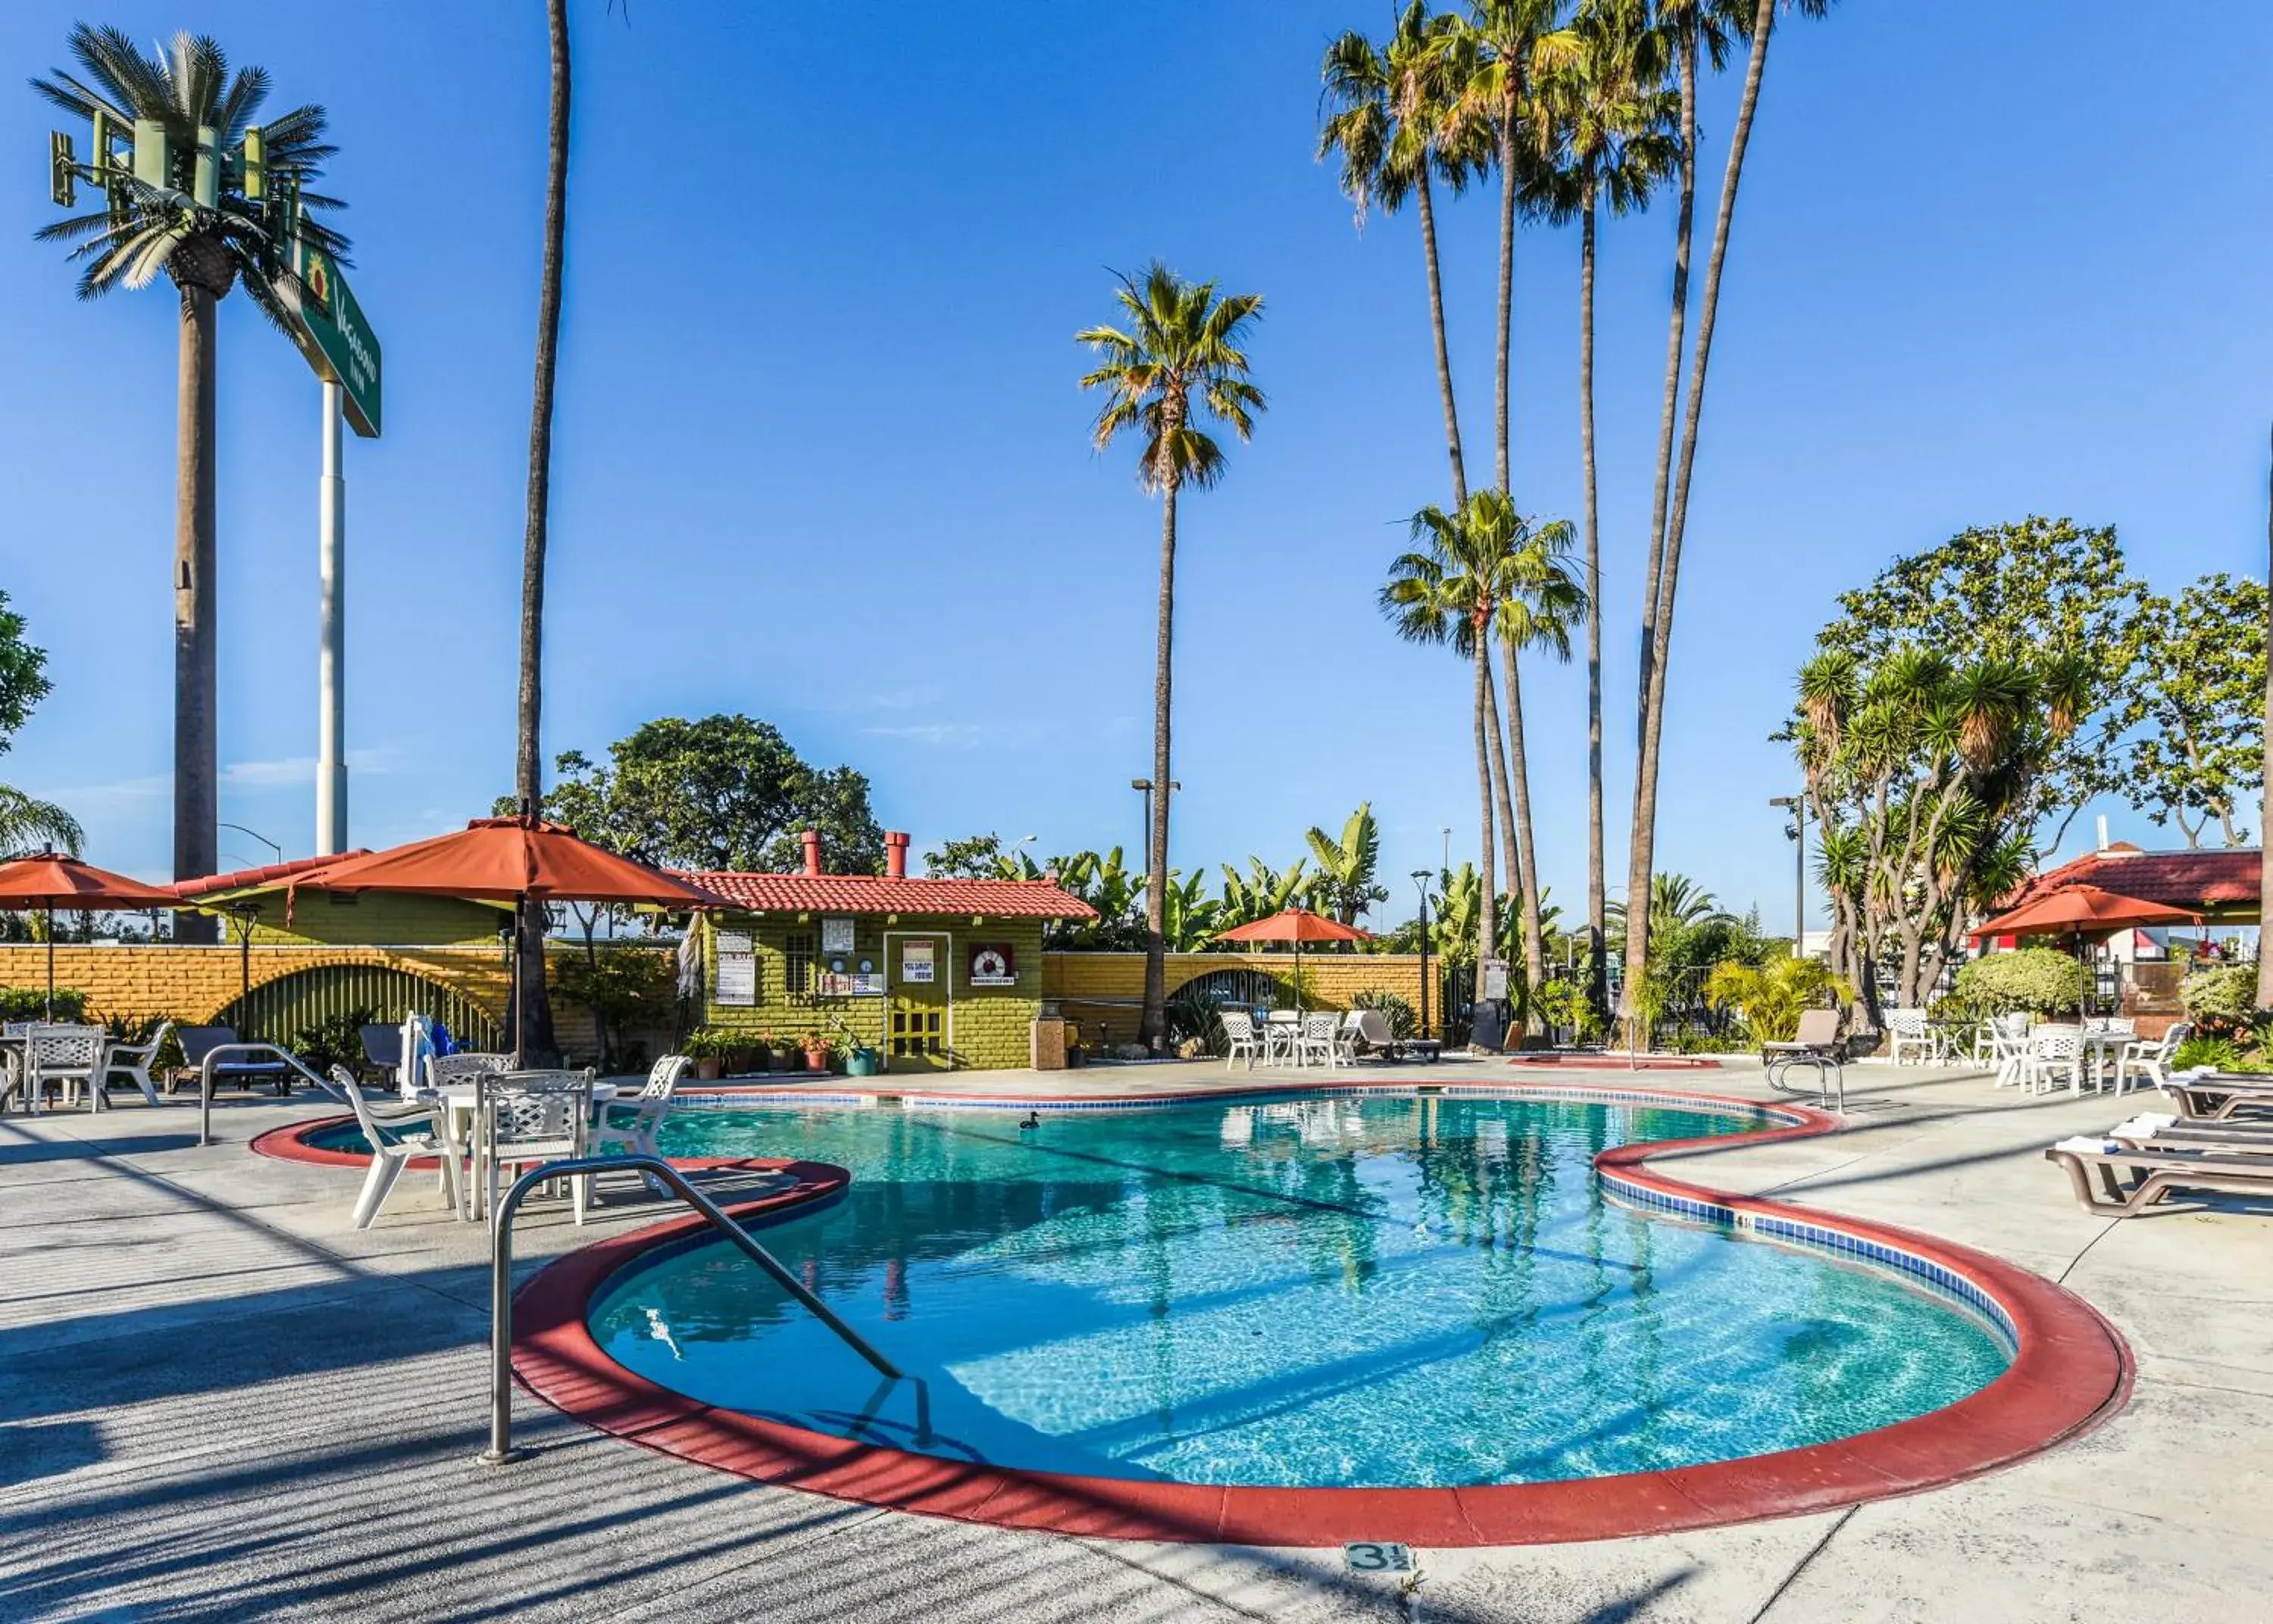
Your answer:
<point x="1358" y="1292"/>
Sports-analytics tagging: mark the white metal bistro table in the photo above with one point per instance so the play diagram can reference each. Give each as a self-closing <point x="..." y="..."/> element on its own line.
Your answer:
<point x="461" y="1100"/>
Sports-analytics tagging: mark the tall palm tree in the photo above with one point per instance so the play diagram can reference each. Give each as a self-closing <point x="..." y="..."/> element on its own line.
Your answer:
<point x="1449" y="593"/>
<point x="1178" y="358"/>
<point x="1696" y="22"/>
<point x="206" y="238"/>
<point x="528" y="761"/>
<point x="1389" y="127"/>
<point x="1539" y="601"/>
<point x="2265" y="867"/>
<point x="1612" y="119"/>
<point x="1513" y="40"/>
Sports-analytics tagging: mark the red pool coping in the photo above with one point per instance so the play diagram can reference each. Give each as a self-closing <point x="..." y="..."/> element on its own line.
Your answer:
<point x="2071" y="1370"/>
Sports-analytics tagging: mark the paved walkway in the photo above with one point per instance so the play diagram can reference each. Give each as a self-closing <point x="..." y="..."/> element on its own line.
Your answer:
<point x="219" y="1402"/>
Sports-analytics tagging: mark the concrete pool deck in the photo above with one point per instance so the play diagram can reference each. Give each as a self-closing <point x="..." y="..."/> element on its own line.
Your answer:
<point x="218" y="1401"/>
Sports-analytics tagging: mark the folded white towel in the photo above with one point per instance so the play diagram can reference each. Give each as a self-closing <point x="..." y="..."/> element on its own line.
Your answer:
<point x="2199" y="1071"/>
<point x="2152" y="1121"/>
<point x="2083" y="1146"/>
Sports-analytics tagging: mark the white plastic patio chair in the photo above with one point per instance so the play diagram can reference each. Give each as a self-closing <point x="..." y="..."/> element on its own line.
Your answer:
<point x="2008" y="1047"/>
<point x="1911" y="1029"/>
<point x="2053" y="1050"/>
<point x="134" y="1060"/>
<point x="1347" y="1038"/>
<point x="1239" y="1031"/>
<point x="69" y="1058"/>
<point x="649" y="1106"/>
<point x="523" y="1118"/>
<point x="464" y="1066"/>
<point x="1320" y="1040"/>
<point x="2151" y="1061"/>
<point x="396" y="1134"/>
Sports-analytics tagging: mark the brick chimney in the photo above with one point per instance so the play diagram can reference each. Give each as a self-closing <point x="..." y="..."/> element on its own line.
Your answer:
<point x="896" y="854"/>
<point x="811" y="839"/>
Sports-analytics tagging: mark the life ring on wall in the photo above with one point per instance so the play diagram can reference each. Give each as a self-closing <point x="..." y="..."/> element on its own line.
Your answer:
<point x="990" y="964"/>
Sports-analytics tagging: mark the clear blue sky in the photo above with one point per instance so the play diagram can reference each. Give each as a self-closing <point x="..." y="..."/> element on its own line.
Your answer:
<point x="821" y="458"/>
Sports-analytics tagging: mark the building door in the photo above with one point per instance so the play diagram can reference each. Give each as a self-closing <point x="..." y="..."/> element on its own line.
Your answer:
<point x="916" y="1030"/>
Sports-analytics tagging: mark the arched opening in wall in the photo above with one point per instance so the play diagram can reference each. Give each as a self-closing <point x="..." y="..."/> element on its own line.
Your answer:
<point x="341" y="996"/>
<point x="1194" y="1009"/>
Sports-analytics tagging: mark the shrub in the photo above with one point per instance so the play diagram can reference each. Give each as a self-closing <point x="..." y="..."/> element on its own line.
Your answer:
<point x="2039" y="980"/>
<point x="31" y="1004"/>
<point x="1191" y="1014"/>
<point x="335" y="1042"/>
<point x="1402" y="1022"/>
<point x="2218" y="1053"/>
<point x="2221" y="1002"/>
<point x="1773" y="996"/>
<point x="623" y="988"/>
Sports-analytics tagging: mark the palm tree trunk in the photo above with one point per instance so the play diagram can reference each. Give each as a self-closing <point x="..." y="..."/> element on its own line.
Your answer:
<point x="1506" y="284"/>
<point x="1510" y="864"/>
<point x="1519" y="772"/>
<point x="1669" y="575"/>
<point x="1487" y="731"/>
<point x="1597" y="969"/>
<point x="197" y="763"/>
<point x="1443" y="354"/>
<point x="2265" y="864"/>
<point x="1153" y="1032"/>
<point x="534" y="1018"/>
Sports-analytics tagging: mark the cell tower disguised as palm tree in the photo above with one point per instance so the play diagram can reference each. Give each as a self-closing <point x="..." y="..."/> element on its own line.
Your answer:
<point x="1178" y="359"/>
<point x="194" y="188"/>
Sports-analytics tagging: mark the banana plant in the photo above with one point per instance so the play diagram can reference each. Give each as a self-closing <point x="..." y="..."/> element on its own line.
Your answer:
<point x="1345" y="883"/>
<point x="1259" y="893"/>
<point x="1189" y="918"/>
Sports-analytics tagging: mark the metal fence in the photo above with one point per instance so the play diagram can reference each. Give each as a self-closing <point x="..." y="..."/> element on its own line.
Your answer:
<point x="278" y="1011"/>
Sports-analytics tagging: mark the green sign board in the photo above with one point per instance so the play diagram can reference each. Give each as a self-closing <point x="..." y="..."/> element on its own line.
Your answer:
<point x="337" y="341"/>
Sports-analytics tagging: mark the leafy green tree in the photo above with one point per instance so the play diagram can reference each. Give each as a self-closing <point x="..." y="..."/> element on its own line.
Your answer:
<point x="1696" y="23"/>
<point x="1346" y="884"/>
<point x="975" y="857"/>
<point x="1389" y="128"/>
<point x="207" y="240"/>
<point x="26" y="823"/>
<point x="623" y="991"/>
<point x="1611" y="121"/>
<point x="2201" y="688"/>
<point x="1178" y="361"/>
<point x="723" y="792"/>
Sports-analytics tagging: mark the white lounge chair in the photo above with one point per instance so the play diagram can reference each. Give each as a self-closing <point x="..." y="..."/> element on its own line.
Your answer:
<point x="1239" y="1032"/>
<point x="396" y="1134"/>
<point x="134" y="1060"/>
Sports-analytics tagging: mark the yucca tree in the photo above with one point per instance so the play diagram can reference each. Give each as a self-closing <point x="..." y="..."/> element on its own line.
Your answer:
<point x="1447" y="592"/>
<point x="1698" y="20"/>
<point x="1346" y="883"/>
<point x="1388" y="127"/>
<point x="204" y="249"/>
<point x="1609" y="131"/>
<point x="1539" y="603"/>
<point x="1179" y="360"/>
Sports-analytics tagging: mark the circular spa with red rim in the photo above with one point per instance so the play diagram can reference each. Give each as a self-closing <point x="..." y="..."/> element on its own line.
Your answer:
<point x="1454" y="1315"/>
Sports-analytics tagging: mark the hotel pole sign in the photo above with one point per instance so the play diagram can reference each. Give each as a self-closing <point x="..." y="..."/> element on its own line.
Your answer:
<point x="334" y="337"/>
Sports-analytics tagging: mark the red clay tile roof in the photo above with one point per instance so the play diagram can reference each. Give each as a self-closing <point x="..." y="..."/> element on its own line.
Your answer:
<point x="2198" y="879"/>
<point x="873" y="894"/>
<point x="268" y="874"/>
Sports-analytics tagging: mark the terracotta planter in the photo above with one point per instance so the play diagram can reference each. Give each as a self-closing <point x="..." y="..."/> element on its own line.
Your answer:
<point x="707" y="1068"/>
<point x="816" y="1060"/>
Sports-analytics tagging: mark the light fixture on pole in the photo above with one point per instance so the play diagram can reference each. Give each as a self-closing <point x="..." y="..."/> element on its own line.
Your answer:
<point x="1143" y="787"/>
<point x="256" y="834"/>
<point x="1796" y="806"/>
<point x="1421" y="880"/>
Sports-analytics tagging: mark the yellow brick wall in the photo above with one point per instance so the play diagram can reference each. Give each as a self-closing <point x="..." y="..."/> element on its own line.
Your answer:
<point x="1104" y="992"/>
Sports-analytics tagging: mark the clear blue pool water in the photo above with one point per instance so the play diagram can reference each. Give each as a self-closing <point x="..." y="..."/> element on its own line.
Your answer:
<point x="1378" y="1291"/>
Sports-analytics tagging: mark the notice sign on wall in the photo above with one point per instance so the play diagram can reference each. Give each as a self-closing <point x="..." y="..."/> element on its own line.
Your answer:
<point x="918" y="962"/>
<point x="836" y="935"/>
<point x="738" y="979"/>
<point x="992" y="965"/>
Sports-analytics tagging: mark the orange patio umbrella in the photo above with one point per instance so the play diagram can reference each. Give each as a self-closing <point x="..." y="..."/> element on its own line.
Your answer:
<point x="2085" y="913"/>
<point x="50" y="880"/>
<point x="518" y="860"/>
<point x="1296" y="925"/>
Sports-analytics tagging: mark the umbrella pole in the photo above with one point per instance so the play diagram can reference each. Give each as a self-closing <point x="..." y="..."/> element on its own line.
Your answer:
<point x="520" y="1003"/>
<point x="51" y="960"/>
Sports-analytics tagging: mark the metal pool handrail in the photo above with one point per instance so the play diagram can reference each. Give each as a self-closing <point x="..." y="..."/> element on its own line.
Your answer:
<point x="205" y="1078"/>
<point x="501" y="1450"/>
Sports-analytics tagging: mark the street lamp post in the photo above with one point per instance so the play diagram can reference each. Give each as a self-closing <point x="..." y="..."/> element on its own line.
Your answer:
<point x="1143" y="787"/>
<point x="1796" y="806"/>
<point x="1421" y="880"/>
<point x="256" y="834"/>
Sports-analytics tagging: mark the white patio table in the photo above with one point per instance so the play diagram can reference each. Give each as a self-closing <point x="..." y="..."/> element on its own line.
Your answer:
<point x="457" y="1122"/>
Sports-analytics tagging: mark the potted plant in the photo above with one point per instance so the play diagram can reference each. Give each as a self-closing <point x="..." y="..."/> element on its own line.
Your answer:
<point x="706" y="1044"/>
<point x="816" y="1052"/>
<point x="861" y="1061"/>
